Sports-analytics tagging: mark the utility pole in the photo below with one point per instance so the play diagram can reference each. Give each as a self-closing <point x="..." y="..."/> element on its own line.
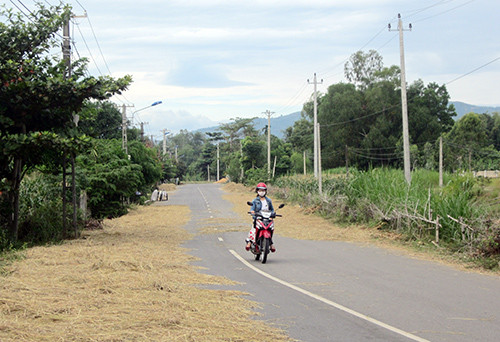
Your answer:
<point x="320" y="178"/>
<point x="124" y="128"/>
<point x="441" y="161"/>
<point x="305" y="165"/>
<point x="406" y="138"/>
<point x="217" y="161"/>
<point x="268" y="113"/>
<point x="66" y="50"/>
<point x="142" y="130"/>
<point x="66" y="46"/>
<point x="165" y="132"/>
<point x="315" y="123"/>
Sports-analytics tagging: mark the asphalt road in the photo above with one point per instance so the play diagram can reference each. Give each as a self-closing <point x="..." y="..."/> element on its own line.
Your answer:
<point x="338" y="291"/>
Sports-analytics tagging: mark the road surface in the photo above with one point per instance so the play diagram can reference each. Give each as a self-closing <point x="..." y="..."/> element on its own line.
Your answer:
<point x="339" y="291"/>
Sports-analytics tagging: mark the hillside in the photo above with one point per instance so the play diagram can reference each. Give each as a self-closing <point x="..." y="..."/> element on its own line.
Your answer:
<point x="278" y="124"/>
<point x="281" y="123"/>
<point x="464" y="108"/>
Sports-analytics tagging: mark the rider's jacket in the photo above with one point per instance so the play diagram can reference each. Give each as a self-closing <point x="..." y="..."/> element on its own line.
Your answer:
<point x="257" y="204"/>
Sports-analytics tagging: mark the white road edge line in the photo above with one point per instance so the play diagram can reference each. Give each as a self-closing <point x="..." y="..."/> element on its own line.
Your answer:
<point x="329" y="302"/>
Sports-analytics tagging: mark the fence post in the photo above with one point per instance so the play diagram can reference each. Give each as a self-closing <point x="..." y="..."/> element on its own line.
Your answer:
<point x="462" y="228"/>
<point x="437" y="229"/>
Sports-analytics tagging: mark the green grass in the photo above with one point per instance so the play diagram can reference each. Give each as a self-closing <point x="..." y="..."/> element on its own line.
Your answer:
<point x="7" y="258"/>
<point x="383" y="195"/>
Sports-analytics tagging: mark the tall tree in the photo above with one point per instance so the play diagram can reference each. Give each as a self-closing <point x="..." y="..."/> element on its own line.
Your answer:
<point x="467" y="137"/>
<point x="36" y="97"/>
<point x="338" y="116"/>
<point x="100" y="120"/>
<point x="362" y="68"/>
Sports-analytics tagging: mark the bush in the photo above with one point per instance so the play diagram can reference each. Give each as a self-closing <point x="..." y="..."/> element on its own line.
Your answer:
<point x="254" y="176"/>
<point x="40" y="207"/>
<point x="383" y="195"/>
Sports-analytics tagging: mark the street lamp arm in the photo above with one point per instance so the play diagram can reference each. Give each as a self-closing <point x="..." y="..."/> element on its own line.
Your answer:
<point x="151" y="105"/>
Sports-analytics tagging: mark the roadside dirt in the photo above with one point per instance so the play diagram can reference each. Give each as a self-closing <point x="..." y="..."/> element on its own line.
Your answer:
<point x="131" y="281"/>
<point x="128" y="282"/>
<point x="318" y="228"/>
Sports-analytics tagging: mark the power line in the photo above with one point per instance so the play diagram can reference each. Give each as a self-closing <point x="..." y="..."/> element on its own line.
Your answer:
<point x="360" y="118"/>
<point x="98" y="45"/>
<point x="444" y="12"/>
<point x="442" y="2"/>
<point x="20" y="10"/>
<point x="470" y="72"/>
<point x="292" y="100"/>
<point x="88" y="49"/>
<point x="25" y="7"/>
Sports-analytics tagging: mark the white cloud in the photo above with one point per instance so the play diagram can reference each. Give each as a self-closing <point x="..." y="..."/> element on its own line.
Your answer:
<point x="210" y="60"/>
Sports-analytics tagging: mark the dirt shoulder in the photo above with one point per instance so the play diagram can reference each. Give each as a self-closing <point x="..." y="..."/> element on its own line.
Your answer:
<point x="318" y="228"/>
<point x="130" y="281"/>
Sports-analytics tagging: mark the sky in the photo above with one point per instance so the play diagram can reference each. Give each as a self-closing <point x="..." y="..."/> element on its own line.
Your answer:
<point x="210" y="61"/>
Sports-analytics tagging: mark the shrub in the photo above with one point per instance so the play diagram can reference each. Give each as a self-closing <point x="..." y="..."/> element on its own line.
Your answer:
<point x="40" y="207"/>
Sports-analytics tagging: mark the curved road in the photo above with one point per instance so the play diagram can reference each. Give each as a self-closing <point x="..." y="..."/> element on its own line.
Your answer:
<point x="338" y="291"/>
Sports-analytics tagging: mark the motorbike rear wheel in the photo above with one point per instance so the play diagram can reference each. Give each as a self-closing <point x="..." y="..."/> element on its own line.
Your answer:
<point x="265" y="249"/>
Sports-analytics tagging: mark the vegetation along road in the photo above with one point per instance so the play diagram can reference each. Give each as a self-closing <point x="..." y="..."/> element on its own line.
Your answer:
<point x="177" y="271"/>
<point x="336" y="290"/>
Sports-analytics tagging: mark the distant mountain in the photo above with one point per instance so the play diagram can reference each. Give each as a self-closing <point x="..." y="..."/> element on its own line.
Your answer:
<point x="281" y="123"/>
<point x="278" y="124"/>
<point x="464" y="108"/>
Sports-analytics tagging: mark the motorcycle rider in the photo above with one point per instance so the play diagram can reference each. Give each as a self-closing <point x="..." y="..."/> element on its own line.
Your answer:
<point x="260" y="203"/>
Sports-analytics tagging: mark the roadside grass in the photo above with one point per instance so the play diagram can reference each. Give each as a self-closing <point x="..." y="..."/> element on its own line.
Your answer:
<point x="130" y="281"/>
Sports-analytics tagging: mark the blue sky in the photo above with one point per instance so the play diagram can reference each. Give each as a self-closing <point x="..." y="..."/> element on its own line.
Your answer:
<point x="213" y="60"/>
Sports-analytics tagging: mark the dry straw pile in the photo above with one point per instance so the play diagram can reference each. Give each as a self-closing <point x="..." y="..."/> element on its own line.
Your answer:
<point x="128" y="282"/>
<point x="296" y="222"/>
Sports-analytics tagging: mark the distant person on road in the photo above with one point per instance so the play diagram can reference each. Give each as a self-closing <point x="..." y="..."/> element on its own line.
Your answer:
<point x="260" y="203"/>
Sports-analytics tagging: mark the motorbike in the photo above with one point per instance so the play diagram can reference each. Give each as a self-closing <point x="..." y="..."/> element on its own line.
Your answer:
<point x="264" y="226"/>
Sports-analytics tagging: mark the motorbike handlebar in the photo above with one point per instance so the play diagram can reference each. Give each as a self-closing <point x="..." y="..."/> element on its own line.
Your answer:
<point x="259" y="215"/>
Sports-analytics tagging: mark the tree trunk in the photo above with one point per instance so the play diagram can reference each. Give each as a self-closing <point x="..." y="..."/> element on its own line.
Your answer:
<point x="14" y="199"/>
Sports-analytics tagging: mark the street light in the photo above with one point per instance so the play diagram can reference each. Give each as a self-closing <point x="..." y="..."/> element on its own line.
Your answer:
<point x="151" y="105"/>
<point x="124" y="123"/>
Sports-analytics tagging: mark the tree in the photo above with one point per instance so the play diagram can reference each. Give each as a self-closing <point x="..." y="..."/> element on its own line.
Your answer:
<point x="110" y="177"/>
<point x="146" y="158"/>
<point x="362" y="68"/>
<point x="467" y="137"/>
<point x="338" y="116"/>
<point x="253" y="153"/>
<point x="37" y="100"/>
<point x="300" y="135"/>
<point x="282" y="151"/>
<point x="429" y="111"/>
<point x="100" y="120"/>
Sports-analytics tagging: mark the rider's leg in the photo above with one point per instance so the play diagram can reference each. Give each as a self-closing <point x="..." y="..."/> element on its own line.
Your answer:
<point x="272" y="248"/>
<point x="250" y="238"/>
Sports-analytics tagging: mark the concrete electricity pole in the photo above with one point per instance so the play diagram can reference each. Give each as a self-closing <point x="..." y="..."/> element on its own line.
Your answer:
<point x="66" y="49"/>
<point x="268" y="113"/>
<point x="142" y="130"/>
<point x="315" y="123"/>
<point x="441" y="161"/>
<point x="406" y="138"/>
<point x="124" y="128"/>
<point x="165" y="132"/>
<point x="217" y="162"/>
<point x="320" y="179"/>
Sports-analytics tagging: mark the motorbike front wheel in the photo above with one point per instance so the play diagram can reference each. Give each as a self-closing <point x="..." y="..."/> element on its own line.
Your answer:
<point x="257" y="257"/>
<point x="266" y="243"/>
